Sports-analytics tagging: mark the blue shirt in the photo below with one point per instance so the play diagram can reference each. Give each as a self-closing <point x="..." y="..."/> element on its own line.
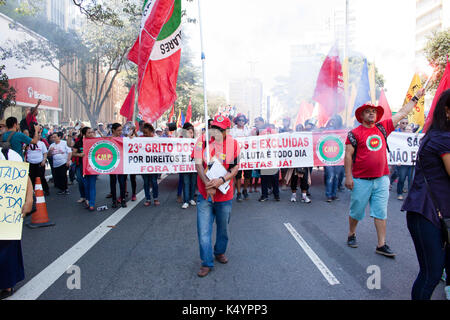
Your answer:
<point x="419" y="200"/>
<point x="16" y="141"/>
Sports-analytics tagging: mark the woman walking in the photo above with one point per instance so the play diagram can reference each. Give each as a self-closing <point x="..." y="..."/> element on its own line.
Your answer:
<point x="432" y="169"/>
<point x="61" y="154"/>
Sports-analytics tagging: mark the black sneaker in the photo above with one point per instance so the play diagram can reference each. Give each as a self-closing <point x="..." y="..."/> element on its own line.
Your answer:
<point x="245" y="194"/>
<point x="262" y="199"/>
<point x="114" y="204"/>
<point x="61" y="192"/>
<point x="351" y="241"/>
<point x="385" y="251"/>
<point x="335" y="198"/>
<point x="239" y="197"/>
<point x="124" y="204"/>
<point x="277" y="199"/>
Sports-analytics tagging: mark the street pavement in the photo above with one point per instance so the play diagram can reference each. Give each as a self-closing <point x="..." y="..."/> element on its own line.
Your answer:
<point x="277" y="250"/>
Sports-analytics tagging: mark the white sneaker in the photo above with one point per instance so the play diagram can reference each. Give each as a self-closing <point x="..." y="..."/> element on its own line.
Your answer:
<point x="193" y="203"/>
<point x="447" y="292"/>
<point x="305" y="199"/>
<point x="185" y="205"/>
<point x="294" y="197"/>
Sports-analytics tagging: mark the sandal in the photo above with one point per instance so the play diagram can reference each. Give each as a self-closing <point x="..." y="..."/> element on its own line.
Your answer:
<point x="157" y="203"/>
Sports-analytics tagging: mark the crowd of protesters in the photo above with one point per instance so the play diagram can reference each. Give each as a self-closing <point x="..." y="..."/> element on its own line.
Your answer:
<point x="62" y="149"/>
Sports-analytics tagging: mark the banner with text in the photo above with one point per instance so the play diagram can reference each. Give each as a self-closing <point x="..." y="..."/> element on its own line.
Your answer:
<point x="284" y="150"/>
<point x="13" y="187"/>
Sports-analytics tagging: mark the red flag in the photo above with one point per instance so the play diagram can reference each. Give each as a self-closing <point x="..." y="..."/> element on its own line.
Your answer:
<point x="128" y="105"/>
<point x="157" y="53"/>
<point x="329" y="92"/>
<point x="189" y="112"/>
<point x="172" y="113"/>
<point x="384" y="103"/>
<point x="443" y="85"/>
<point x="304" y="113"/>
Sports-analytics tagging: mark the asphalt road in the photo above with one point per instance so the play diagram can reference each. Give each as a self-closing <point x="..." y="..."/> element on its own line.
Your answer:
<point x="152" y="253"/>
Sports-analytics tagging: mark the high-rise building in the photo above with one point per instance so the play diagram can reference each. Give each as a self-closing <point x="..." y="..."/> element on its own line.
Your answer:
<point x="431" y="16"/>
<point x="247" y="94"/>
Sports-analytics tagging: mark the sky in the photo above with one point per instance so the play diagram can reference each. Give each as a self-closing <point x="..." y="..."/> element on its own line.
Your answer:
<point x="240" y="33"/>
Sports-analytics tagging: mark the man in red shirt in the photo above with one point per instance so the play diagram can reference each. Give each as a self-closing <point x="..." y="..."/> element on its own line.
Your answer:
<point x="367" y="171"/>
<point x="212" y="204"/>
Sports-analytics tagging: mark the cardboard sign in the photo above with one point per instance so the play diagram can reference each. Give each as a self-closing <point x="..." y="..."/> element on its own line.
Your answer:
<point x="13" y="188"/>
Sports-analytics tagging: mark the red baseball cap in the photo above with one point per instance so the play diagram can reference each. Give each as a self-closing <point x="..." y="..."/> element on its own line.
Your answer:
<point x="221" y="122"/>
<point x="360" y="110"/>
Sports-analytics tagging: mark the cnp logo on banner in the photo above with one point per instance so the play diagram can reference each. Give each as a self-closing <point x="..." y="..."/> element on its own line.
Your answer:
<point x="104" y="156"/>
<point x="330" y="149"/>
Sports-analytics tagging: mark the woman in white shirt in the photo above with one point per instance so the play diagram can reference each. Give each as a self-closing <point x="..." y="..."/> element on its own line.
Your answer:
<point x="37" y="157"/>
<point x="61" y="154"/>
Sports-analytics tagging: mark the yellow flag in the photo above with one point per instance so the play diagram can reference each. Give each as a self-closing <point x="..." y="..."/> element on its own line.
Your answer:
<point x="372" y="83"/>
<point x="417" y="116"/>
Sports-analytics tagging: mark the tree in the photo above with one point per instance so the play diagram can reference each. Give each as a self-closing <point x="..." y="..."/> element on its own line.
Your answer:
<point x="436" y="51"/>
<point x="99" y="51"/>
<point x="7" y="93"/>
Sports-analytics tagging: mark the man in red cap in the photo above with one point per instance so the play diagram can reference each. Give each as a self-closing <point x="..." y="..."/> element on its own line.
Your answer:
<point x="367" y="171"/>
<point x="212" y="204"/>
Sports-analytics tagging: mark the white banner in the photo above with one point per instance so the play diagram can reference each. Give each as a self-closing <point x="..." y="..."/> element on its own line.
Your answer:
<point x="403" y="147"/>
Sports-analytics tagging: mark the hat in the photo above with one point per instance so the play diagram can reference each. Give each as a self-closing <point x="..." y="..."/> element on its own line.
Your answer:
<point x="360" y="110"/>
<point x="158" y="129"/>
<point x="221" y="122"/>
<point x="240" y="116"/>
<point x="100" y="124"/>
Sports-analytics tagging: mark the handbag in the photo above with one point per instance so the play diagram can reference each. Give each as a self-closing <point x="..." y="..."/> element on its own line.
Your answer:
<point x="445" y="223"/>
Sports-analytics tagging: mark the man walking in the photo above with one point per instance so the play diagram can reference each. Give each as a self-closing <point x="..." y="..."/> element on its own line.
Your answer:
<point x="367" y="171"/>
<point x="213" y="204"/>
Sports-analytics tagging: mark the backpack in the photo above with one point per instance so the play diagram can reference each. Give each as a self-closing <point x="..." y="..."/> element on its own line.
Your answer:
<point x="354" y="142"/>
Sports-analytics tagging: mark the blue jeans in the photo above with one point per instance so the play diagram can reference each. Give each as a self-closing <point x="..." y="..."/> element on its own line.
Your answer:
<point x="332" y="176"/>
<point x="180" y="184"/>
<point x="153" y="179"/>
<point x="207" y="211"/>
<point x="189" y="184"/>
<point x="81" y="181"/>
<point x="403" y="173"/>
<point x="430" y="253"/>
<point x="90" y="187"/>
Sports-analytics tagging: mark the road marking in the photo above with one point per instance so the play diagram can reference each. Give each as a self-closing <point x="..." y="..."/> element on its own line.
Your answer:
<point x="313" y="256"/>
<point x="41" y="282"/>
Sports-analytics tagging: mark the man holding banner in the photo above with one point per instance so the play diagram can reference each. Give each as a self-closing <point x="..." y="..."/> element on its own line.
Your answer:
<point x="367" y="171"/>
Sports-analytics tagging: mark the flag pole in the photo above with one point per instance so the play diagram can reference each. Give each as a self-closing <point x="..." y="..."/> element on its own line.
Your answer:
<point x="205" y="100"/>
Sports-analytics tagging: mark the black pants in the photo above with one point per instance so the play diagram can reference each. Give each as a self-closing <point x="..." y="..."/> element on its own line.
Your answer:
<point x="430" y="253"/>
<point x="36" y="170"/>
<point x="60" y="177"/>
<point x="113" y="179"/>
<point x="133" y="183"/>
<point x="303" y="180"/>
<point x="270" y="181"/>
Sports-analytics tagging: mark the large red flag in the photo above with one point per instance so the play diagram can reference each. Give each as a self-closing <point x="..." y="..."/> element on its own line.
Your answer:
<point x="329" y="92"/>
<point x="304" y="113"/>
<point x="128" y="105"/>
<point x="157" y="53"/>
<point x="384" y="103"/>
<point x="189" y="111"/>
<point x="443" y="85"/>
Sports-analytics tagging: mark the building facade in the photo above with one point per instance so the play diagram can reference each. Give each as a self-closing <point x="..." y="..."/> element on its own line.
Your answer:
<point x="247" y="96"/>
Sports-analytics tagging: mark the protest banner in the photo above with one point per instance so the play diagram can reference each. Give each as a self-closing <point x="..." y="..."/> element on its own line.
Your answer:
<point x="403" y="148"/>
<point x="13" y="188"/>
<point x="284" y="150"/>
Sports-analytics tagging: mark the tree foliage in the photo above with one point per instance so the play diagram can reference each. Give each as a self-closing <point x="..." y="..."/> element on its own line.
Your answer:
<point x="7" y="93"/>
<point x="436" y="51"/>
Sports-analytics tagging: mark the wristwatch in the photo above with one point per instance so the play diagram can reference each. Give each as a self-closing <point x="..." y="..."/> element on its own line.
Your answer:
<point x="223" y="179"/>
<point x="415" y="99"/>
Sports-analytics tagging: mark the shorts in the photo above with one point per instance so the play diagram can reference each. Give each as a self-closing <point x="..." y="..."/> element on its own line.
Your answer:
<point x="374" y="192"/>
<point x="246" y="173"/>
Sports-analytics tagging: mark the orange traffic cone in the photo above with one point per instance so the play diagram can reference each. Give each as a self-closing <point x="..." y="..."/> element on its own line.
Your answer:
<point x="40" y="217"/>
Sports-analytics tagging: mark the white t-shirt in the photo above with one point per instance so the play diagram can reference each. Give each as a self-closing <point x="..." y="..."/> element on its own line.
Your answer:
<point x="60" y="153"/>
<point x="35" y="153"/>
<point x="12" y="156"/>
<point x="237" y="133"/>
